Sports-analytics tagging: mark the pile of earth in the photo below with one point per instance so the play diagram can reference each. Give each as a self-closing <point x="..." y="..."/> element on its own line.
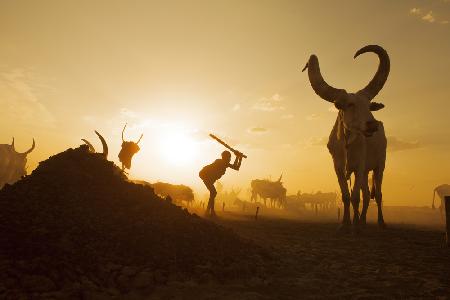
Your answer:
<point x="76" y="225"/>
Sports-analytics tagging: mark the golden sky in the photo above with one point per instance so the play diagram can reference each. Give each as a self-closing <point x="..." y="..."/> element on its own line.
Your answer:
<point x="177" y="70"/>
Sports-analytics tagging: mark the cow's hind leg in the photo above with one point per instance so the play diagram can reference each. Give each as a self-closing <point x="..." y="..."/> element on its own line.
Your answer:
<point x="366" y="199"/>
<point x="378" y="179"/>
<point x="254" y="196"/>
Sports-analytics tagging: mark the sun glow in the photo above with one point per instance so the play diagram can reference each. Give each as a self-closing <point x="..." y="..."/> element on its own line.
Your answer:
<point x="178" y="148"/>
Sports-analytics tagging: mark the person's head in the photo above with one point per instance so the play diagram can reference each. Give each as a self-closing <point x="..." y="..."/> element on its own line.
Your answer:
<point x="226" y="156"/>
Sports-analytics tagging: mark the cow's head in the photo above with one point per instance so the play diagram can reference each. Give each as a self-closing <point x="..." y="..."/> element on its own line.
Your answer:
<point x="355" y="109"/>
<point x="104" y="145"/>
<point x="128" y="150"/>
<point x="19" y="162"/>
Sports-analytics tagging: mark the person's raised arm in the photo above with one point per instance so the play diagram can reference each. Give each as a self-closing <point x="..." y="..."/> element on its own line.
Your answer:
<point x="237" y="163"/>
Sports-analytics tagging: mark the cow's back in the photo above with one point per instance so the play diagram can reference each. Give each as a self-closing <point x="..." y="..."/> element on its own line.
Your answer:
<point x="176" y="192"/>
<point x="262" y="187"/>
<point x="443" y="190"/>
<point x="161" y="188"/>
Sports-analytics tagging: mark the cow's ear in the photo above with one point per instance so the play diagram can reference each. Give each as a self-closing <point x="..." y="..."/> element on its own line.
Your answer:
<point x="340" y="104"/>
<point x="374" y="106"/>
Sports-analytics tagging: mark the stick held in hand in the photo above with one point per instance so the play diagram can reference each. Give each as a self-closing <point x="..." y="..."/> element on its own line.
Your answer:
<point x="238" y="153"/>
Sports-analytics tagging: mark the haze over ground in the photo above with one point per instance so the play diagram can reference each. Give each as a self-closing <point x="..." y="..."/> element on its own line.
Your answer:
<point x="177" y="70"/>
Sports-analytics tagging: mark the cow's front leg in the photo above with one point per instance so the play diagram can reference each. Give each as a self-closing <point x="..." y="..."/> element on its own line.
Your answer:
<point x="366" y="198"/>
<point x="345" y="197"/>
<point x="355" y="197"/>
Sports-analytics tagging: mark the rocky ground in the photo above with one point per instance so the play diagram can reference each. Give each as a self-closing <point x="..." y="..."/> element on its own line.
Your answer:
<point x="316" y="262"/>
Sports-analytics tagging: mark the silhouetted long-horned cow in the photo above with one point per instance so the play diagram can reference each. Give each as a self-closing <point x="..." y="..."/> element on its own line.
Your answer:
<point x="12" y="163"/>
<point x="104" y="145"/>
<point x="178" y="193"/>
<point x="357" y="142"/>
<point x="128" y="150"/>
<point x="273" y="190"/>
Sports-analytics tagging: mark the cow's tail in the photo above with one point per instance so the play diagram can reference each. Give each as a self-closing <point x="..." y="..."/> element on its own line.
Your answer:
<point x="372" y="189"/>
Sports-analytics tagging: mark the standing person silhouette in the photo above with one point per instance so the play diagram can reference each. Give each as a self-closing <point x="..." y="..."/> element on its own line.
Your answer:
<point x="211" y="173"/>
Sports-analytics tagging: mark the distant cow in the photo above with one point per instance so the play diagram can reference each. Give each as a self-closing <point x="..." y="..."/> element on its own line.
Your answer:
<point x="228" y="197"/>
<point x="272" y="190"/>
<point x="178" y="193"/>
<point x="12" y="163"/>
<point x="357" y="142"/>
<point x="320" y="200"/>
<point x="442" y="191"/>
<point x="293" y="202"/>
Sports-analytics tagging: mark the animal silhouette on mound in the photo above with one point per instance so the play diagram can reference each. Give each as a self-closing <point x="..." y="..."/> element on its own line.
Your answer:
<point x="178" y="192"/>
<point x="442" y="191"/>
<point x="12" y="163"/>
<point x="357" y="142"/>
<point x="104" y="145"/>
<point x="213" y="172"/>
<point x="272" y="190"/>
<point x="128" y="150"/>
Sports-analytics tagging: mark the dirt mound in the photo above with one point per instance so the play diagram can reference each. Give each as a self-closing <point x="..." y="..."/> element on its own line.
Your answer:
<point x="76" y="225"/>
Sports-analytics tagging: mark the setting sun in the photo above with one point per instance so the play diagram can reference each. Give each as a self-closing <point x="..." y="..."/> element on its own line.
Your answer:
<point x="177" y="148"/>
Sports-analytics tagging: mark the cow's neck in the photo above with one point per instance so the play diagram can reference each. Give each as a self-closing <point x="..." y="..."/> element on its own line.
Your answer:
<point x="351" y="138"/>
<point x="355" y="146"/>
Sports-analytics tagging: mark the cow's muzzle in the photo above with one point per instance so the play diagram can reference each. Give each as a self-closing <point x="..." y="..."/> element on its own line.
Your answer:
<point x="371" y="128"/>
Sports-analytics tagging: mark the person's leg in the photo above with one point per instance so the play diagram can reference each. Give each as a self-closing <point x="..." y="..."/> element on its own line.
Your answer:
<point x="212" y="196"/>
<point x="205" y="182"/>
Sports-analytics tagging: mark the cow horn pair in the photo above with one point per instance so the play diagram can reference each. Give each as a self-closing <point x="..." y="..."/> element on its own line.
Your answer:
<point x="26" y="152"/>
<point x="331" y="94"/>
<point x="123" y="130"/>
<point x="104" y="145"/>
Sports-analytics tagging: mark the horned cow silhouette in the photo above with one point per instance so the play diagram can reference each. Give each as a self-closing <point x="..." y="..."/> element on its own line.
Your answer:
<point x="104" y="145"/>
<point x="128" y="150"/>
<point x="357" y="142"/>
<point x="12" y="163"/>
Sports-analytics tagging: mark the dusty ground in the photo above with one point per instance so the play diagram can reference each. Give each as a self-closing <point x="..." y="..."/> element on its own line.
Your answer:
<point x="98" y="236"/>
<point x="314" y="261"/>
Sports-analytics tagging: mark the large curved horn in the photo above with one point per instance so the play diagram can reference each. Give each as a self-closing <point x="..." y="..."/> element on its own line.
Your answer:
<point x="30" y="150"/>
<point x="105" y="146"/>
<point x="377" y="82"/>
<point x="139" y="139"/>
<point x="123" y="130"/>
<point x="91" y="148"/>
<point x="318" y="84"/>
<point x="281" y="176"/>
